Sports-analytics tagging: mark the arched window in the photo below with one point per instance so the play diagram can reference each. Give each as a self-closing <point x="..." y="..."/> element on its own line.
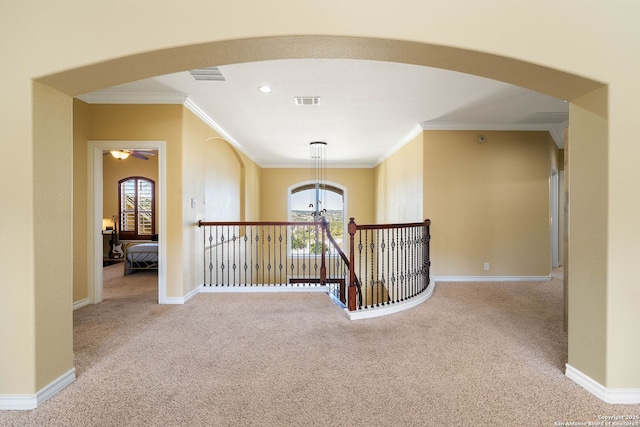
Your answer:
<point x="136" y="203"/>
<point x="333" y="199"/>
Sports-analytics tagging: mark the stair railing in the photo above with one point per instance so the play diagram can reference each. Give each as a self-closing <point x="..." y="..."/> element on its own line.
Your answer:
<point x="387" y="264"/>
<point x="392" y="262"/>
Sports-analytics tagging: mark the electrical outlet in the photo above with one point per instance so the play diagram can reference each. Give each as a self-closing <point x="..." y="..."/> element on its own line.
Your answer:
<point x="486" y="266"/>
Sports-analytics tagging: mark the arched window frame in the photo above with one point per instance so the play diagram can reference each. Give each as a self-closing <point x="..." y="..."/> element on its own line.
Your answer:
<point x="326" y="186"/>
<point x="125" y="232"/>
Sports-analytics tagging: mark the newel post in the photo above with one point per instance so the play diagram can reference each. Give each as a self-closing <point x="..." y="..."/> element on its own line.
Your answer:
<point x="351" y="303"/>
<point x="427" y="258"/>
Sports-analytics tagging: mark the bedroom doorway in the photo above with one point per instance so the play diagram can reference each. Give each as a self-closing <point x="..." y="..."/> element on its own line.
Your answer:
<point x="96" y="241"/>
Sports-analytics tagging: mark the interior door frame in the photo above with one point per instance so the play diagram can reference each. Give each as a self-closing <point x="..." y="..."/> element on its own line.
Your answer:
<point x="95" y="211"/>
<point x="555" y="220"/>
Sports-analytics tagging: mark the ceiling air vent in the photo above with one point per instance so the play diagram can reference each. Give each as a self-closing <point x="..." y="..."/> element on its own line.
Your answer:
<point x="208" y="73"/>
<point x="307" y="100"/>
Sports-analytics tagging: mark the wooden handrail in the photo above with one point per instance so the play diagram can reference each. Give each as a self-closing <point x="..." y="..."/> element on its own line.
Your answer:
<point x="335" y="243"/>
<point x="249" y="223"/>
<point x="388" y="226"/>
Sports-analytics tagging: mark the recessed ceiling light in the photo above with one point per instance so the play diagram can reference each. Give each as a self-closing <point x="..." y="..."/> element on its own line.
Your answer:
<point x="265" y="89"/>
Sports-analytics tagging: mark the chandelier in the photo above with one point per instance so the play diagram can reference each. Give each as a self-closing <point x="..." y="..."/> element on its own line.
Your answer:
<point x="317" y="169"/>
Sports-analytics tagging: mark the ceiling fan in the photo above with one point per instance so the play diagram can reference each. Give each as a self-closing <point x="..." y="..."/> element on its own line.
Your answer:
<point x="123" y="154"/>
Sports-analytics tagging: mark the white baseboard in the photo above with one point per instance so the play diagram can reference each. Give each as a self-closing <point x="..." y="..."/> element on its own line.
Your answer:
<point x="618" y="396"/>
<point x="392" y="308"/>
<point x="80" y="304"/>
<point x="56" y="386"/>
<point x="23" y="402"/>
<point x="258" y="289"/>
<point x="491" y="278"/>
<point x="180" y="300"/>
<point x="18" y="402"/>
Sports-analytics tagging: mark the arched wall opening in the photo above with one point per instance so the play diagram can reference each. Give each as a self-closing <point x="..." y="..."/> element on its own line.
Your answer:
<point x="531" y="76"/>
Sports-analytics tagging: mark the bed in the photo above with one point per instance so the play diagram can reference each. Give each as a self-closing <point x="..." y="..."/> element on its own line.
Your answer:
<point x="140" y="256"/>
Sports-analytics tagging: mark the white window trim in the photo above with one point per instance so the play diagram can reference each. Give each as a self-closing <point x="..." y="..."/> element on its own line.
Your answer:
<point x="345" y="248"/>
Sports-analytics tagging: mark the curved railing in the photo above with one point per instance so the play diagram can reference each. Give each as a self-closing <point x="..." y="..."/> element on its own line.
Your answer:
<point x="386" y="264"/>
<point x="392" y="262"/>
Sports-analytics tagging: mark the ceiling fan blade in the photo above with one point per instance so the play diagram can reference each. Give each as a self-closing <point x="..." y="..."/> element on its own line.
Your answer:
<point x="146" y="153"/>
<point x="138" y="155"/>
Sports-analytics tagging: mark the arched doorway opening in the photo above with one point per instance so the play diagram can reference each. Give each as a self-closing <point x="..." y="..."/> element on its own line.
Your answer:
<point x="109" y="73"/>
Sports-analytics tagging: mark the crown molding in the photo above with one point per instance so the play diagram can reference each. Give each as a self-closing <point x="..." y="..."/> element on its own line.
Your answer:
<point x="556" y="130"/>
<point x="557" y="133"/>
<point x="298" y="165"/>
<point x="404" y="141"/>
<point x="134" y="98"/>
<point x="484" y="126"/>
<point x="164" y="98"/>
<point x="200" y="113"/>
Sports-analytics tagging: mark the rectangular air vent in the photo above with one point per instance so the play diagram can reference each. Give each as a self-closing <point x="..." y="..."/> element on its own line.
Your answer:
<point x="307" y="100"/>
<point x="208" y="73"/>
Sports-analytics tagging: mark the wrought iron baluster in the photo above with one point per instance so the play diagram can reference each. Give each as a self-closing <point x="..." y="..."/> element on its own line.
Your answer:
<point x="230" y="254"/>
<point x="401" y="271"/>
<point x="257" y="261"/>
<point x="393" y="265"/>
<point x="269" y="239"/>
<point x="360" y="262"/>
<point x="292" y="254"/>
<point x="215" y="247"/>
<point x="245" y="266"/>
<point x="382" y="275"/>
<point x="222" y="264"/>
<point x="251" y="255"/>
<point x="375" y="252"/>
<point x="233" y="248"/>
<point x="414" y="261"/>
<point x="410" y="265"/>
<point x="280" y="266"/>
<point x="262" y="261"/>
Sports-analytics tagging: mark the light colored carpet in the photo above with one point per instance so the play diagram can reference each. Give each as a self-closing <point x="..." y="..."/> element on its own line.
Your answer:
<point x="475" y="354"/>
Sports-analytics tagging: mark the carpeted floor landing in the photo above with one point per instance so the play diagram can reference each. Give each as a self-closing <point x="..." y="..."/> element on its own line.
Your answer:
<point x="475" y="354"/>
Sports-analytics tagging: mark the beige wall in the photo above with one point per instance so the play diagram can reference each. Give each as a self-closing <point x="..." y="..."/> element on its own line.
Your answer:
<point x="252" y="177"/>
<point x="589" y="241"/>
<point x="80" y="178"/>
<point x="205" y="168"/>
<point x="215" y="177"/>
<point x="398" y="185"/>
<point x="488" y="202"/>
<point x="567" y="61"/>
<point x="150" y="123"/>
<point x="359" y="183"/>
<point x="53" y="238"/>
